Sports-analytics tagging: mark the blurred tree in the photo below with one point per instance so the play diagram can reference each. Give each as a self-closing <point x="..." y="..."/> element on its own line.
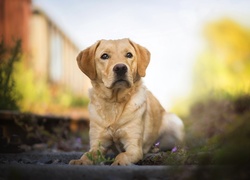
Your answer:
<point x="223" y="68"/>
<point x="225" y="64"/>
<point x="8" y="94"/>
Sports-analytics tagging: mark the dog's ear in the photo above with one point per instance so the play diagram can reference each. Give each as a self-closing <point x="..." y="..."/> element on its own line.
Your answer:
<point x="86" y="61"/>
<point x="143" y="58"/>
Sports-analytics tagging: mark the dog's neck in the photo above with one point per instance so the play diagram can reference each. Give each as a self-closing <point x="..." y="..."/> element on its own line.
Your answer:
<point x="117" y="95"/>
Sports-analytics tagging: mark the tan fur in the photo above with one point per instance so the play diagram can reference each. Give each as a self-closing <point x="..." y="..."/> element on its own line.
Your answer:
<point x="124" y="114"/>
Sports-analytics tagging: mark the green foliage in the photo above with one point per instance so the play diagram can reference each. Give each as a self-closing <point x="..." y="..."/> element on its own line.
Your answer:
<point x="182" y="156"/>
<point x="98" y="158"/>
<point x="35" y="91"/>
<point x="234" y="145"/>
<point x="217" y="132"/>
<point x="219" y="127"/>
<point x="221" y="71"/>
<point x="22" y="89"/>
<point x="41" y="97"/>
<point x="177" y="158"/>
<point x="8" y="94"/>
<point x="77" y="101"/>
<point x="225" y="63"/>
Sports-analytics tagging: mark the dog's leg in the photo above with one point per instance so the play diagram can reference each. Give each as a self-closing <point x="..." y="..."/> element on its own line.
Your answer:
<point x="133" y="153"/>
<point x="84" y="160"/>
<point x="171" y="132"/>
<point x="92" y="154"/>
<point x="99" y="143"/>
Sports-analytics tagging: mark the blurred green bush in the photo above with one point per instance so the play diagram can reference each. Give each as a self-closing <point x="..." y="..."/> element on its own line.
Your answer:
<point x="9" y="96"/>
<point x="216" y="113"/>
<point x="223" y="66"/>
<point x="22" y="90"/>
<point x="221" y="126"/>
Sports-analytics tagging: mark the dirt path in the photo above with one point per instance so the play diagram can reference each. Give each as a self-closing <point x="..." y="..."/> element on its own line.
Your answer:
<point x="55" y="166"/>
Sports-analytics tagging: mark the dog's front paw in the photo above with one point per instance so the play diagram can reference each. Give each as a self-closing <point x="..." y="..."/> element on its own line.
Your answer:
<point x="121" y="160"/>
<point x="82" y="161"/>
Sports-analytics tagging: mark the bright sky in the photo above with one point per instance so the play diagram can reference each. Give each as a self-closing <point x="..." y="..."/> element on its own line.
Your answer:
<point x="169" y="29"/>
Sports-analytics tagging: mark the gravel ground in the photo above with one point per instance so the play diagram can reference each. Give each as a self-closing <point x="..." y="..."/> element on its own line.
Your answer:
<point x="55" y="166"/>
<point x="59" y="158"/>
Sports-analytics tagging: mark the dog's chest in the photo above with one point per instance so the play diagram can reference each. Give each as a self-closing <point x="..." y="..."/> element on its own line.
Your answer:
<point x="116" y="114"/>
<point x="112" y="117"/>
<point x="110" y="112"/>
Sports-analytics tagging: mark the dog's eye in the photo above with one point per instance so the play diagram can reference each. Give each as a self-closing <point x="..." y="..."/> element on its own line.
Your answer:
<point x="105" y="56"/>
<point x="129" y="55"/>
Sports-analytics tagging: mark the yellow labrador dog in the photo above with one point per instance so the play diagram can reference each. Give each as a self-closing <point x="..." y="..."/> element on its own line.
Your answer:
<point x="124" y="115"/>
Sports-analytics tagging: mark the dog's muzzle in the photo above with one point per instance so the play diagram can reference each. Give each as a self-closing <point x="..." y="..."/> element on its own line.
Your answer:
<point x="120" y="71"/>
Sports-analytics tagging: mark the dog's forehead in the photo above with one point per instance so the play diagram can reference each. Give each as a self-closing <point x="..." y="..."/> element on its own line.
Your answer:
<point x="113" y="45"/>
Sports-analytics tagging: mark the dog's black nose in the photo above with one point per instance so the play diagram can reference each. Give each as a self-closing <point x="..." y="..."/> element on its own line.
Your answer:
<point x="120" y="69"/>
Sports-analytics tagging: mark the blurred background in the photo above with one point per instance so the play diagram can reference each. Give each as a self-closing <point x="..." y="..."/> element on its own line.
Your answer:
<point x="196" y="46"/>
<point x="200" y="57"/>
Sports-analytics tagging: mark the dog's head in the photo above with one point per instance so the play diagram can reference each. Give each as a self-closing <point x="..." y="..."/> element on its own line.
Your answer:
<point x="115" y="63"/>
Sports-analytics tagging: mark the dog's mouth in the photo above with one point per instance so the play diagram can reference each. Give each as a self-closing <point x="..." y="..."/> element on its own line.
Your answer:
<point x="121" y="83"/>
